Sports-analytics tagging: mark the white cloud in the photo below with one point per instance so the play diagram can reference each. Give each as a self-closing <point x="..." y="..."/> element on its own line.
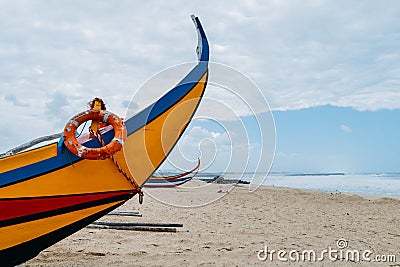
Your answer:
<point x="231" y="146"/>
<point x="346" y="128"/>
<point x="212" y="147"/>
<point x="13" y="99"/>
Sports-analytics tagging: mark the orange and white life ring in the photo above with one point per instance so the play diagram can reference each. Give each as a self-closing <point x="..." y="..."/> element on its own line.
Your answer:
<point x="103" y="152"/>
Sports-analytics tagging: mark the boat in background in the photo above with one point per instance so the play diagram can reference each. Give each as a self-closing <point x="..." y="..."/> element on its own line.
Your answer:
<point x="173" y="180"/>
<point x="48" y="193"/>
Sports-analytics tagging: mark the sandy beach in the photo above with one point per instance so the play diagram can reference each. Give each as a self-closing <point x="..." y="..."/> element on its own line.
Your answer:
<point x="237" y="229"/>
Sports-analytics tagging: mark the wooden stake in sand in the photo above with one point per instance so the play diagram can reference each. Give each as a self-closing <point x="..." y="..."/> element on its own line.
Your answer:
<point x="134" y="228"/>
<point x="153" y="227"/>
<point x="125" y="213"/>
<point x="139" y="224"/>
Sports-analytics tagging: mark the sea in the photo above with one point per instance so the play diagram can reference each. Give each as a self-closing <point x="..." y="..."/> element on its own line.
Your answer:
<point x="357" y="183"/>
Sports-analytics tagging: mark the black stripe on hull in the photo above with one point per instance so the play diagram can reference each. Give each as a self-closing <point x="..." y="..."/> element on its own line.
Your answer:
<point x="28" y="250"/>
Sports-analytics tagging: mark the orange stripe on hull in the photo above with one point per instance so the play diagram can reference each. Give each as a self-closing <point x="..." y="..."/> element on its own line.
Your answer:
<point x="28" y="157"/>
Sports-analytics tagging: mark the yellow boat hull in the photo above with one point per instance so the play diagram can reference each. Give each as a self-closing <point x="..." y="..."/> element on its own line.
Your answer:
<point x="48" y="193"/>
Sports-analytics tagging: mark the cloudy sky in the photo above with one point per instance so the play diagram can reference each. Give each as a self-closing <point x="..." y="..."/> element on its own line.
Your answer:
<point x="330" y="70"/>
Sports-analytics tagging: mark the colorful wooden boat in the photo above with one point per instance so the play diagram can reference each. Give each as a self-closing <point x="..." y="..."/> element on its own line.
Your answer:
<point x="48" y="193"/>
<point x="173" y="180"/>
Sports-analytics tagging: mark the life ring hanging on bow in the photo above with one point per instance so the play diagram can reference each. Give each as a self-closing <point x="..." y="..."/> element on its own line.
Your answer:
<point x="103" y="152"/>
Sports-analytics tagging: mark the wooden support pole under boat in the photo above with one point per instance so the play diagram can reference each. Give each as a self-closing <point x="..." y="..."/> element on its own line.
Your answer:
<point x="134" y="228"/>
<point x="139" y="224"/>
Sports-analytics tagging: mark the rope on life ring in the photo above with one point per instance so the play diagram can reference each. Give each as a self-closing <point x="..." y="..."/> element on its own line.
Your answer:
<point x="103" y="152"/>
